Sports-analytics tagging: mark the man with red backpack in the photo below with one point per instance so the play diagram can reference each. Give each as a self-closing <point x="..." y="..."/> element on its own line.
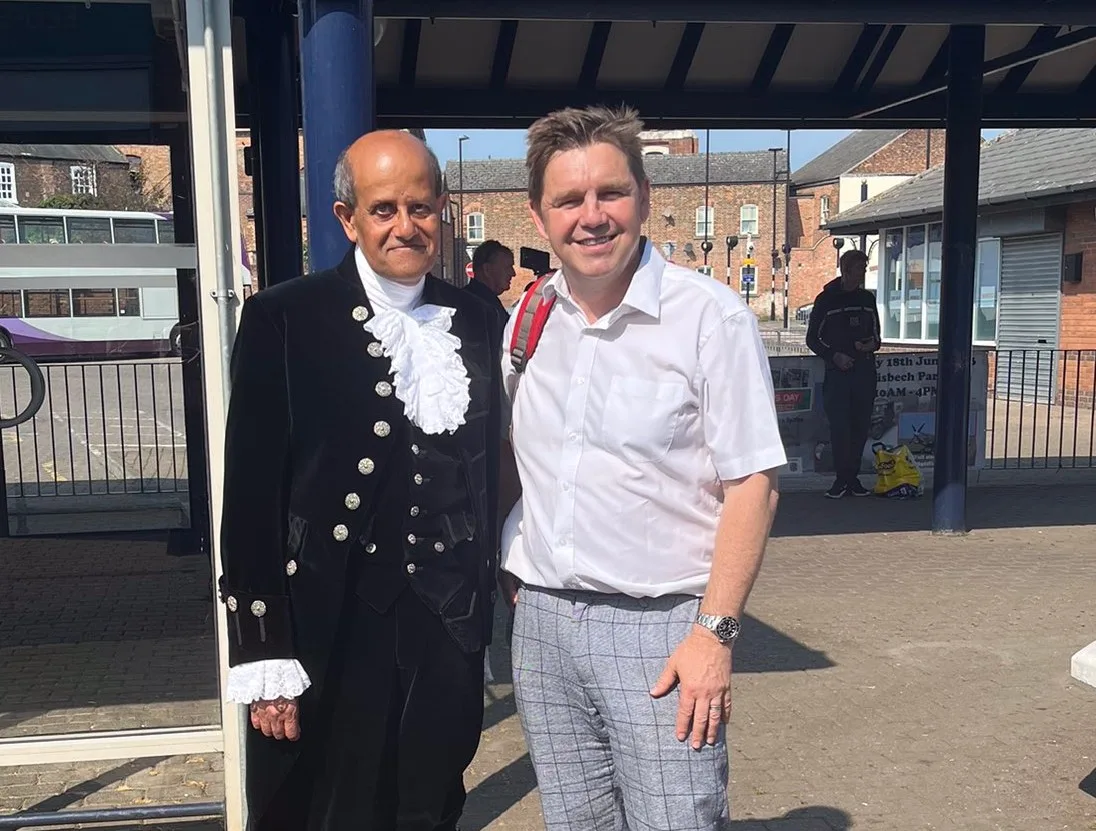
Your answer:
<point x="646" y="439"/>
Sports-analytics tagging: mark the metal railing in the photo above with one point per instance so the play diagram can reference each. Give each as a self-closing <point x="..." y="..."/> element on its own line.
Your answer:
<point x="104" y="428"/>
<point x="1040" y="412"/>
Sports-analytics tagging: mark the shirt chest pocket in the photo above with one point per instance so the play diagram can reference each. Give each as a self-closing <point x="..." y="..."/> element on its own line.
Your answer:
<point x="641" y="417"/>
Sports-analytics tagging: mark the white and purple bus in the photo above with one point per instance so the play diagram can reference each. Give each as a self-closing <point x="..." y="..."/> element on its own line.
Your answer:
<point x="89" y="306"/>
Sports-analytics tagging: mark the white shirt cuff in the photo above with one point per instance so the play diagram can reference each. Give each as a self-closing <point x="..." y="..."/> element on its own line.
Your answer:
<point x="267" y="681"/>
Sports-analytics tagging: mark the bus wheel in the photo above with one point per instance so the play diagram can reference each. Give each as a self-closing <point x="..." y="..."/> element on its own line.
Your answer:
<point x="37" y="386"/>
<point x="175" y="337"/>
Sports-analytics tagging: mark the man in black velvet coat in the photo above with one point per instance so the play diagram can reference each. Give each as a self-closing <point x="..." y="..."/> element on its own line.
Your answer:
<point x="359" y="529"/>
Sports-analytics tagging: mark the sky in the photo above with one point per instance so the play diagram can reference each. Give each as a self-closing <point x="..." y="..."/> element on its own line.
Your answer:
<point x="510" y="144"/>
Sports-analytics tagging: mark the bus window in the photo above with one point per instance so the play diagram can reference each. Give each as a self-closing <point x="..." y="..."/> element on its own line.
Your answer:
<point x="135" y="230"/>
<point x="167" y="230"/>
<point x="52" y="303"/>
<point x="11" y="304"/>
<point x="7" y="229"/>
<point x="41" y="230"/>
<point x="93" y="303"/>
<point x="129" y="302"/>
<point x="87" y="230"/>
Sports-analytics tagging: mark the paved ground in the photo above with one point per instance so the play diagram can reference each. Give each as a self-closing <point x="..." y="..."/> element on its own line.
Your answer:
<point x="886" y="679"/>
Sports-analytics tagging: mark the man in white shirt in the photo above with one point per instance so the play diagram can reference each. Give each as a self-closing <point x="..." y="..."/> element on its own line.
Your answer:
<point x="646" y="438"/>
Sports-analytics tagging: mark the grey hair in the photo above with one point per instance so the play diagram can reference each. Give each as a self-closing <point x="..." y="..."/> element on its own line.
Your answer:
<point x="344" y="177"/>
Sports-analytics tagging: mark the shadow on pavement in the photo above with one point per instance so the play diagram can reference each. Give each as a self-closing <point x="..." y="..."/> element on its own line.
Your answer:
<point x="1038" y="506"/>
<point x="811" y="818"/>
<point x="1088" y="784"/>
<point x="765" y="649"/>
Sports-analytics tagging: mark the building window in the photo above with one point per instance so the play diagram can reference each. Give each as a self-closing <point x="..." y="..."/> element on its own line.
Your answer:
<point x="42" y="230"/>
<point x="474" y="228"/>
<point x="133" y="231"/>
<point x="909" y="286"/>
<point x="748" y="221"/>
<point x="824" y="210"/>
<point x="83" y="180"/>
<point x="129" y="302"/>
<point x="165" y="229"/>
<point x="8" y="193"/>
<point x="88" y="230"/>
<point x="7" y="229"/>
<point x="748" y="279"/>
<point x="864" y="191"/>
<point x="706" y="270"/>
<point x="705" y="222"/>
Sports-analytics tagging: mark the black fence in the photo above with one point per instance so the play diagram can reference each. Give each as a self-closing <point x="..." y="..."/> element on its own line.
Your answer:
<point x="105" y="428"/>
<point x="1040" y="411"/>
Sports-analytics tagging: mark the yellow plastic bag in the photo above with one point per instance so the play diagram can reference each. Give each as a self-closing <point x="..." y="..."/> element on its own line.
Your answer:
<point x="897" y="472"/>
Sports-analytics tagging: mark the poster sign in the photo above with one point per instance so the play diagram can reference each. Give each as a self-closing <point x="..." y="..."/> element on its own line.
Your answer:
<point x="904" y="411"/>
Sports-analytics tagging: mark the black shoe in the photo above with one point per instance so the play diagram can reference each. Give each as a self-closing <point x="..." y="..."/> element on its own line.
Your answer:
<point x="838" y="490"/>
<point x="856" y="489"/>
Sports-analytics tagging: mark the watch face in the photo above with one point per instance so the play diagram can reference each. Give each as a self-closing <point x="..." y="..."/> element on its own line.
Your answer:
<point x="726" y="629"/>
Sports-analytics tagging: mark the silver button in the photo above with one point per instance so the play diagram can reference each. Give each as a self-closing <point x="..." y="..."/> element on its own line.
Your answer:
<point x="258" y="608"/>
<point x="414" y="510"/>
<point x="411" y="538"/>
<point x="418" y="478"/>
<point x="353" y="501"/>
<point x="366" y="466"/>
<point x="383" y="389"/>
<point x="415" y="449"/>
<point x="291" y="567"/>
<point x="340" y="533"/>
<point x="375" y="349"/>
<point x="230" y="601"/>
<point x="439" y="547"/>
<point x="360" y="313"/>
<point x="371" y="548"/>
<point x="382" y="428"/>
<point x="410" y="568"/>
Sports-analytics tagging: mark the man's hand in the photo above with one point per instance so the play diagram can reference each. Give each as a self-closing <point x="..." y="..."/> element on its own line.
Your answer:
<point x="277" y="719"/>
<point x="842" y="361"/>
<point x="701" y="667"/>
<point x="866" y="345"/>
<point x="509" y="585"/>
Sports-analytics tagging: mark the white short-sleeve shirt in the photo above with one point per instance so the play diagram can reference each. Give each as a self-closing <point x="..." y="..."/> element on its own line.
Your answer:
<point x="624" y="430"/>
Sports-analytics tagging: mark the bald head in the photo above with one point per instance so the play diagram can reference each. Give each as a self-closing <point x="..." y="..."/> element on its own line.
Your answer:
<point x="378" y="152"/>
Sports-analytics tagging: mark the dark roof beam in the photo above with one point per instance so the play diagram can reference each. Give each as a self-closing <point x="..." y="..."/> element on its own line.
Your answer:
<point x="595" y="52"/>
<point x="683" y="60"/>
<point x="1028" y="54"/>
<point x="879" y="63"/>
<point x="937" y="70"/>
<point x="1014" y="80"/>
<point x="504" y="52"/>
<point x="1087" y="87"/>
<point x="870" y="36"/>
<point x="770" y="60"/>
<point x="409" y="57"/>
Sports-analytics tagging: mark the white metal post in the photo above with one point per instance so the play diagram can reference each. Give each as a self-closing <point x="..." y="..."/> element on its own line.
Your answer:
<point x="220" y="286"/>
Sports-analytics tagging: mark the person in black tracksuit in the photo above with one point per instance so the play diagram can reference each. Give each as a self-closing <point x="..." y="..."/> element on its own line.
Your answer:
<point x="844" y="331"/>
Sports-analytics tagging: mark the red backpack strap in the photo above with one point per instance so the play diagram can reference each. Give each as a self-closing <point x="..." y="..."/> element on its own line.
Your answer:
<point x="532" y="315"/>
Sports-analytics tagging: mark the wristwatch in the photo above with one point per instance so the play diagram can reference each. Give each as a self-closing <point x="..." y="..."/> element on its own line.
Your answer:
<point x="725" y="627"/>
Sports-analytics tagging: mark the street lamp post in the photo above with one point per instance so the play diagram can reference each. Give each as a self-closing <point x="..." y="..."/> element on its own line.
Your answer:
<point x="772" y="290"/>
<point x="460" y="208"/>
<point x="787" y="249"/>
<point x="732" y="241"/>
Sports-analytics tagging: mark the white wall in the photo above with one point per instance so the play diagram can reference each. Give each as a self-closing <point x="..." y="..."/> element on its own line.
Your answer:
<point x="848" y="197"/>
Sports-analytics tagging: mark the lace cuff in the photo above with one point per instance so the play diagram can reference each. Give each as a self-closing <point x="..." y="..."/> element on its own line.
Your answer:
<point x="267" y="680"/>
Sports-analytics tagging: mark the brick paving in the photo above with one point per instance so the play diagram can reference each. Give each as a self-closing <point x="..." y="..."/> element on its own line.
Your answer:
<point x="887" y="679"/>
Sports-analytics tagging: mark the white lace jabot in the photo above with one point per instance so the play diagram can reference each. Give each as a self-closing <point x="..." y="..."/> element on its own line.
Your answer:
<point x="430" y="378"/>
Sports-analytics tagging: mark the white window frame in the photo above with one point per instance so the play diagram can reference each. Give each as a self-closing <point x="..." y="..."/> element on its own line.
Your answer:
<point x="84" y="179"/>
<point x="705" y="222"/>
<point x="9" y="190"/>
<point x="481" y="231"/>
<point x="824" y="209"/>
<point x="749" y="221"/>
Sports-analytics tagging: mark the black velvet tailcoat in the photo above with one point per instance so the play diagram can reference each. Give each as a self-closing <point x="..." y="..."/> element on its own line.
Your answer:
<point x="311" y="438"/>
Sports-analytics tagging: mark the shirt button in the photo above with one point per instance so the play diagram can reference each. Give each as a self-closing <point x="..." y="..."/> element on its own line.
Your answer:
<point x="567" y="486"/>
<point x="414" y="510"/>
<point x="415" y="449"/>
<point x="411" y="538"/>
<point x="573" y="437"/>
<point x="439" y="547"/>
<point x="418" y="478"/>
<point x="580" y="381"/>
<point x="371" y="548"/>
<point x="410" y="568"/>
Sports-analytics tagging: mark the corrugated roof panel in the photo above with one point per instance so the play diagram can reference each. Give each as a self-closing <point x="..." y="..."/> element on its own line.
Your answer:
<point x="728" y="54"/>
<point x="639" y="55"/>
<point x="534" y="65"/>
<point x="816" y="54"/>
<point x="456" y="52"/>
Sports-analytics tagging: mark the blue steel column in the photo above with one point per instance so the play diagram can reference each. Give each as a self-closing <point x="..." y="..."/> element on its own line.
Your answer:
<point x="271" y="31"/>
<point x="960" y="239"/>
<point x="338" y="105"/>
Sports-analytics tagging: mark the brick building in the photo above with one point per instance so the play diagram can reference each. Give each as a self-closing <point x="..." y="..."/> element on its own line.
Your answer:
<point x="861" y="166"/>
<point x="95" y="176"/>
<point x="741" y="194"/>
<point x="1035" y="289"/>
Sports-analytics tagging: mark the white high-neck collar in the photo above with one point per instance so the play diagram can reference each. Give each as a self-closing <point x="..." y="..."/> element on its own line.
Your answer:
<point x="384" y="293"/>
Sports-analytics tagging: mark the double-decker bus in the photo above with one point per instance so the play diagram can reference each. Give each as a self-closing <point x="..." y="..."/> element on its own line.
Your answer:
<point x="88" y="311"/>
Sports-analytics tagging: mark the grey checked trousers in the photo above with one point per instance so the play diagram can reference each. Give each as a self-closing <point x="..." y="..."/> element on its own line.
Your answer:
<point x="605" y="752"/>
